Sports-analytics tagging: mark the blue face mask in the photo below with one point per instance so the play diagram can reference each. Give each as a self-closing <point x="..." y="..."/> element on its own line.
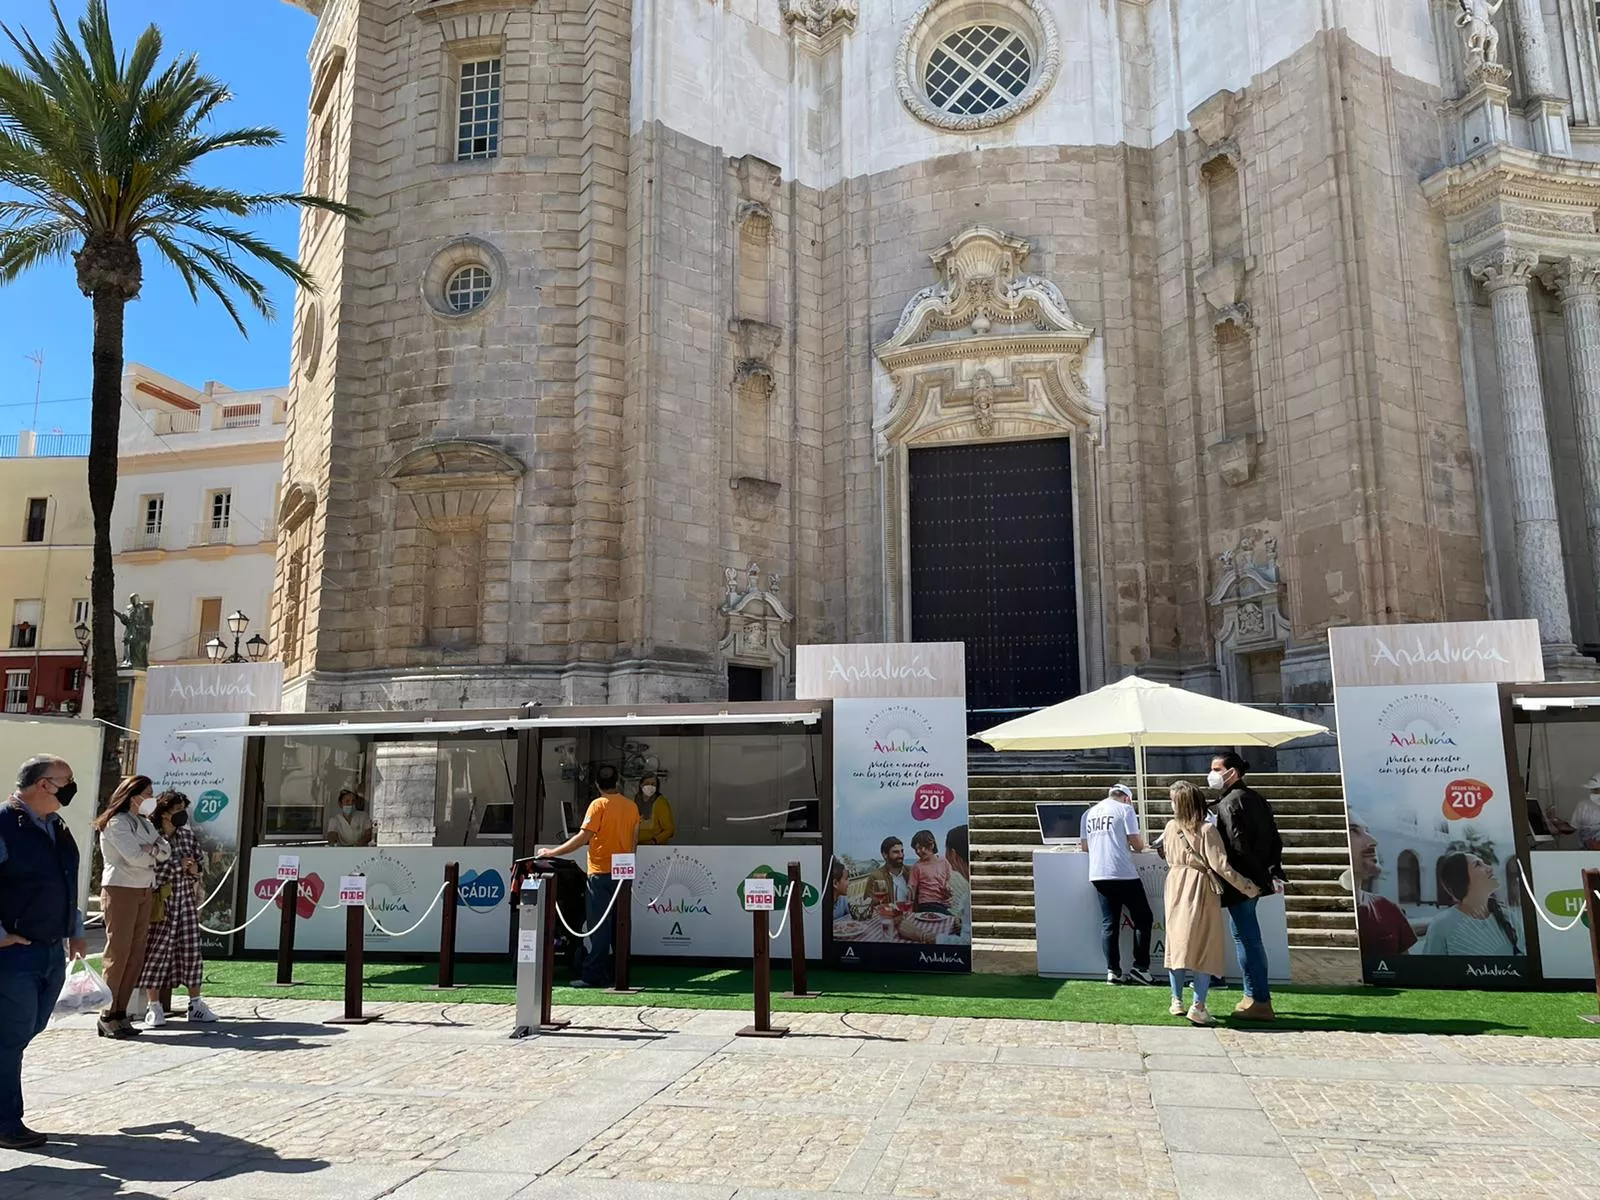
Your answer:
<point x="348" y="810"/>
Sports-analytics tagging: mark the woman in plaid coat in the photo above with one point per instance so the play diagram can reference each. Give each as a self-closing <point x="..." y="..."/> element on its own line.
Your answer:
<point x="172" y="951"/>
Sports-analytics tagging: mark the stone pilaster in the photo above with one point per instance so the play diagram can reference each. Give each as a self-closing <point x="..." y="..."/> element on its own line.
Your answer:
<point x="1578" y="282"/>
<point x="1506" y="275"/>
<point x="1533" y="49"/>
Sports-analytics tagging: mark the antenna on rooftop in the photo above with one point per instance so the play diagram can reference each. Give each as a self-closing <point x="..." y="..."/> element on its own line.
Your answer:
<point x="37" y="359"/>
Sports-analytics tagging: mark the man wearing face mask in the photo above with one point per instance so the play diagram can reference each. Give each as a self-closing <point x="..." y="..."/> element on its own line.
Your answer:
<point x="1586" y="816"/>
<point x="38" y="911"/>
<point x="1255" y="850"/>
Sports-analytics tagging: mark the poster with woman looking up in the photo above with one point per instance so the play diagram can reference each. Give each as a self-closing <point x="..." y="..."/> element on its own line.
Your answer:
<point x="1433" y="848"/>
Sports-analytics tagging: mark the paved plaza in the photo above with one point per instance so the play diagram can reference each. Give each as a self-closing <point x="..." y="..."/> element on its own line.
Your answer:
<point x="650" y="1104"/>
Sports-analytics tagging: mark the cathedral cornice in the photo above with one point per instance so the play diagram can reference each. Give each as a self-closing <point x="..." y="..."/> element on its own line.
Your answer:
<point x="1510" y="194"/>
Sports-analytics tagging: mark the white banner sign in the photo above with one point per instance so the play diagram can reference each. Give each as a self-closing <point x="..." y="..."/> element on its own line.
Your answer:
<point x="1069" y="920"/>
<point x="288" y="866"/>
<point x="1558" y="885"/>
<point x="527" y="945"/>
<point x="622" y="866"/>
<point x="689" y="900"/>
<point x="352" y="890"/>
<point x="401" y="884"/>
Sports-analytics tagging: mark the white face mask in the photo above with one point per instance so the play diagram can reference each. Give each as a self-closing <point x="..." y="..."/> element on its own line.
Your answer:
<point x="348" y="810"/>
<point x="146" y="807"/>
<point x="1214" y="781"/>
<point x="648" y="791"/>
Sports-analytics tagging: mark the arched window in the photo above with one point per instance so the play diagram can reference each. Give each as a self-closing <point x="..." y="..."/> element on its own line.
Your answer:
<point x="1408" y="871"/>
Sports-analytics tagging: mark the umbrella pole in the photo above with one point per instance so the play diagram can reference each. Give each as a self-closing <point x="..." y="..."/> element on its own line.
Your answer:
<point x="1144" y="805"/>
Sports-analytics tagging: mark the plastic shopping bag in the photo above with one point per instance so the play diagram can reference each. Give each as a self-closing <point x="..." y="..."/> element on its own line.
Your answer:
<point x="85" y="991"/>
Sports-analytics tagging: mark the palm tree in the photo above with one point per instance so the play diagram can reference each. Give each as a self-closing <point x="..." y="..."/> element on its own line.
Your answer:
<point x="99" y="150"/>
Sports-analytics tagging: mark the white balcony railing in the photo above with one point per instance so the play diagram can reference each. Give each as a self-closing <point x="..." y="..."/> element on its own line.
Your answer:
<point x="207" y="534"/>
<point x="141" y="538"/>
<point x="177" y="422"/>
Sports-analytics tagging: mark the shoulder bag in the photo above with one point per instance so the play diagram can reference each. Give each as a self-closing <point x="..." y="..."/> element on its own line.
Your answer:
<point x="1212" y="877"/>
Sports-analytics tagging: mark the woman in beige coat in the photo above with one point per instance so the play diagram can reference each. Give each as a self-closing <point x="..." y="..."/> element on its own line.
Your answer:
<point x="1196" y="858"/>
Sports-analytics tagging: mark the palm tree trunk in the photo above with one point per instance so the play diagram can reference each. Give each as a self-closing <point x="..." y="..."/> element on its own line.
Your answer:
<point x="104" y="425"/>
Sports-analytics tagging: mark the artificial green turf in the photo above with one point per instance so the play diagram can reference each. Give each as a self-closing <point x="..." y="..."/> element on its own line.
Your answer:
<point x="1370" y="1010"/>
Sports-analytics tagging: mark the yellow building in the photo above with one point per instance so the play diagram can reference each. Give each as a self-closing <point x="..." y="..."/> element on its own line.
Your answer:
<point x="46" y="543"/>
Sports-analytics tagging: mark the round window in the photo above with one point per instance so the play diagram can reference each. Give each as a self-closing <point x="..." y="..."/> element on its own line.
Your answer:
<point x="969" y="64"/>
<point x="468" y="288"/>
<point x="977" y="70"/>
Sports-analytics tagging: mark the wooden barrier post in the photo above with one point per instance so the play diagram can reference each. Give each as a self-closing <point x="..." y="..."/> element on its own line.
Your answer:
<point x="290" y="899"/>
<point x="355" y="923"/>
<point x="797" y="937"/>
<point x="622" y="936"/>
<point x="447" y="925"/>
<point x="547" y="1022"/>
<point x="763" y="1026"/>
<point x="1591" y="904"/>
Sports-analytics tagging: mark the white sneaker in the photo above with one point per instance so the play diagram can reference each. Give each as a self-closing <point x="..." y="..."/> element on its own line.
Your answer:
<point x="1177" y="1009"/>
<point x="199" y="1010"/>
<point x="1199" y="1015"/>
<point x="1140" y="976"/>
<point x="1113" y="977"/>
<point x="154" y="1016"/>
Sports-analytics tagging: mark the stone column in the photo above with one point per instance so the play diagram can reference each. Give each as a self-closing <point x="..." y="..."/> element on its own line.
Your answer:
<point x="1578" y="282"/>
<point x="1506" y="275"/>
<point x="1533" y="49"/>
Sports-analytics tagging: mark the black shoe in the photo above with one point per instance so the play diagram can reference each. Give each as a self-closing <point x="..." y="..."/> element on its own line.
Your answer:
<point x="582" y="983"/>
<point x="22" y="1138"/>
<point x="116" y="1027"/>
<point x="1140" y="976"/>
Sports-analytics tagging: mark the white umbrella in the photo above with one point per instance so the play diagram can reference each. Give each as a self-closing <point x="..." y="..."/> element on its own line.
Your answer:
<point x="1139" y="712"/>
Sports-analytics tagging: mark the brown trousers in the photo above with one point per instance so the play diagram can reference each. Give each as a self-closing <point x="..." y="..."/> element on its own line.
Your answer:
<point x="127" y="913"/>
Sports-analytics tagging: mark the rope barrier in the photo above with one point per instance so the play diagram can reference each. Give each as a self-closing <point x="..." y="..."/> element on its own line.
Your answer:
<point x="1539" y="908"/>
<point x="437" y="896"/>
<point x="265" y="908"/>
<point x="220" y="884"/>
<point x="788" y="908"/>
<point x="671" y="862"/>
<point x="615" y="892"/>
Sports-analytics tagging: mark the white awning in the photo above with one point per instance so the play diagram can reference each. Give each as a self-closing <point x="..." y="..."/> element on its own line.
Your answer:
<point x="1541" y="703"/>
<point x="500" y="724"/>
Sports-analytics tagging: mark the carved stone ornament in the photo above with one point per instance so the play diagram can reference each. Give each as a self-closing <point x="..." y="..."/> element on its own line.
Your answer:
<point x="1234" y="459"/>
<point x="819" y="24"/>
<point x="988" y="352"/>
<point x="755" y="623"/>
<point x="1248" y="602"/>
<point x="753" y="375"/>
<point x="1213" y="119"/>
<point x="938" y="18"/>
<point x="756" y="498"/>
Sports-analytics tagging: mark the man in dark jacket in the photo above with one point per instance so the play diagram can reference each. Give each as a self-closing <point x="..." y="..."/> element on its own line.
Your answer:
<point x="1255" y="850"/>
<point x="38" y="911"/>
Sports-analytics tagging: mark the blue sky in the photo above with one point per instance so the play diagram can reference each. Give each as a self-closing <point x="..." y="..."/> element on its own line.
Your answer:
<point x="259" y="49"/>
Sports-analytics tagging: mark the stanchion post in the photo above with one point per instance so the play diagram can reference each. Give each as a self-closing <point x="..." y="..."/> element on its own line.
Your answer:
<point x="622" y="940"/>
<point x="763" y="1027"/>
<point x="290" y="899"/>
<point x="547" y="1022"/>
<point x="1591" y="904"/>
<point x="447" y="925"/>
<point x="797" y="937"/>
<point x="355" y="917"/>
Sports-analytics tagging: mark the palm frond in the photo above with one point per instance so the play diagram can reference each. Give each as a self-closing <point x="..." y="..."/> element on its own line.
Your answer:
<point x="24" y="246"/>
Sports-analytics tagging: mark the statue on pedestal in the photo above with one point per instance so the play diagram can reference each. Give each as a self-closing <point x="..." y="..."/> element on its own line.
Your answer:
<point x="1476" y="23"/>
<point x="136" y="623"/>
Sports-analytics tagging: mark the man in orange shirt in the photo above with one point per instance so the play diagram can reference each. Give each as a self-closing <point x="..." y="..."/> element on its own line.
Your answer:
<point x="611" y="826"/>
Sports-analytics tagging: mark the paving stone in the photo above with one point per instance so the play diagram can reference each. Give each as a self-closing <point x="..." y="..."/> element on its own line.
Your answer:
<point x="1233" y="1131"/>
<point x="1230" y="1176"/>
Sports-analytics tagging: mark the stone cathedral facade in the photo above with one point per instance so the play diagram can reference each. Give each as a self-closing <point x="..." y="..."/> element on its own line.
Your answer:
<point x="1103" y="335"/>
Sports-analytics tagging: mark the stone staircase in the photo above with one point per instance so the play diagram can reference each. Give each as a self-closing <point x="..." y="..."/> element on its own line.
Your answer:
<point x="1309" y="809"/>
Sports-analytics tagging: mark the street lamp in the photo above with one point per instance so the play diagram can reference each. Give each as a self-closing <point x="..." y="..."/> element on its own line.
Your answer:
<point x="217" y="649"/>
<point x="81" y="632"/>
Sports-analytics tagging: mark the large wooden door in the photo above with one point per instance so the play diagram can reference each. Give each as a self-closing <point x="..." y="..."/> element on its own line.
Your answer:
<point x="992" y="565"/>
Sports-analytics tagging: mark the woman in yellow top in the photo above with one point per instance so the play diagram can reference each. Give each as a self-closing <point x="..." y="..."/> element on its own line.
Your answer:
<point x="656" y="825"/>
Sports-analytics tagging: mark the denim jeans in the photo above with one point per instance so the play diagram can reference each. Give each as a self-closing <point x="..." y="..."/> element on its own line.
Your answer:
<point x="1115" y="896"/>
<point x="1252" y="952"/>
<point x="30" y="981"/>
<point x="597" y="969"/>
<point x="1199" y="980"/>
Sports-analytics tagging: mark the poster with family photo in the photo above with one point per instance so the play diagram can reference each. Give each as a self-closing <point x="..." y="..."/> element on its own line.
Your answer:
<point x="899" y="894"/>
<point x="1433" y="853"/>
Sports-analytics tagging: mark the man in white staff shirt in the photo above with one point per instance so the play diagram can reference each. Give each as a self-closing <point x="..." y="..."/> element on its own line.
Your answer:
<point x="1111" y="836"/>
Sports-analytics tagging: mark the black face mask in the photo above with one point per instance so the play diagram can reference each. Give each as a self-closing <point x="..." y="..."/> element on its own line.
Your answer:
<point x="180" y="819"/>
<point x="65" y="792"/>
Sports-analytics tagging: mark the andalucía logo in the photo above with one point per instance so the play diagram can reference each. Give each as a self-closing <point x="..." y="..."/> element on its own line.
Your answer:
<point x="1493" y="970"/>
<point x="1418" y="720"/>
<point x="899" y="729"/>
<point x="680" y="885"/>
<point x="389" y="882"/>
<point x="480" y="892"/>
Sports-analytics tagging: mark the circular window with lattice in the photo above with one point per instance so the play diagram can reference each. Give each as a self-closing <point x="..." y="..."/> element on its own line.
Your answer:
<point x="967" y="65"/>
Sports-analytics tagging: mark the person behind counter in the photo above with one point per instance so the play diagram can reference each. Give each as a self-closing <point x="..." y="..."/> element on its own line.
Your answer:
<point x="351" y="826"/>
<point x="611" y="826"/>
<point x="656" y="825"/>
<point x="1110" y="833"/>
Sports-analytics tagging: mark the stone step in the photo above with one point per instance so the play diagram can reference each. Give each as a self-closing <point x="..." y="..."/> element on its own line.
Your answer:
<point x="1300" y="919"/>
<point x="1322" y="939"/>
<point x="1012" y="931"/>
<point x="983" y="914"/>
<point x="1153" y="794"/>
